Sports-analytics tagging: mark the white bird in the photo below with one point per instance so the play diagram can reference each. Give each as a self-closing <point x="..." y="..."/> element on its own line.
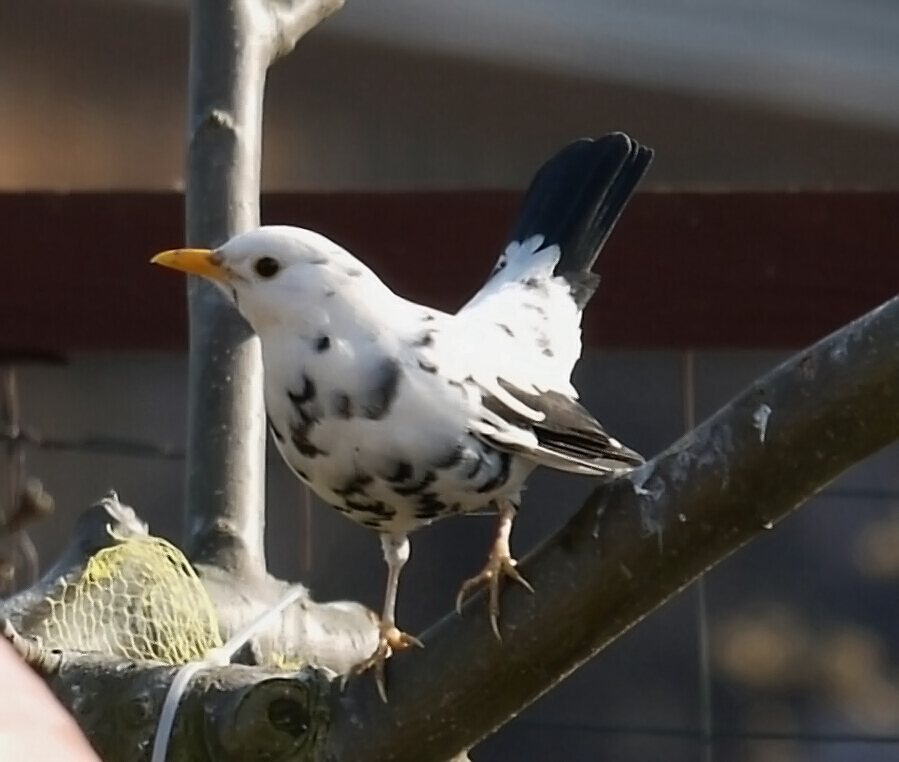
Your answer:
<point x="398" y="414"/>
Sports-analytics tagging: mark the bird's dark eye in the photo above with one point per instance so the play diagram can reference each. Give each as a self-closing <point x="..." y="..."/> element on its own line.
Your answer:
<point x="266" y="267"/>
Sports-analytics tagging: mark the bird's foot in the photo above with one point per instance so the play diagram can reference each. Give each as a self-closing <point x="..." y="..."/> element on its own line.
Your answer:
<point x="391" y="639"/>
<point x="499" y="565"/>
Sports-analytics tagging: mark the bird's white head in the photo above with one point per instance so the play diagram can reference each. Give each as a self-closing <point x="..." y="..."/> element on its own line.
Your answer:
<point x="274" y="274"/>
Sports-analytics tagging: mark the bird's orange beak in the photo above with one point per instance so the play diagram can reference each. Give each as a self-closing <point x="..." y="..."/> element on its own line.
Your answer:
<point x="194" y="261"/>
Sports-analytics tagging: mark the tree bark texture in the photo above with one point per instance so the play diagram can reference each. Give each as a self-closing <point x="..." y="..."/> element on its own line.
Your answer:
<point x="635" y="542"/>
<point x="232" y="44"/>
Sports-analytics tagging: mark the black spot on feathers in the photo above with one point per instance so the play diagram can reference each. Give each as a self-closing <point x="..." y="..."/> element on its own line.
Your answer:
<point x="342" y="405"/>
<point x="299" y="435"/>
<point x="355" y="486"/>
<point x="418" y="487"/>
<point x="425" y="340"/>
<point x="537" y="285"/>
<point x="402" y="472"/>
<point x="429" y="506"/>
<point x="375" y="508"/>
<point x="307" y="394"/>
<point x="305" y="403"/>
<point x="383" y="391"/>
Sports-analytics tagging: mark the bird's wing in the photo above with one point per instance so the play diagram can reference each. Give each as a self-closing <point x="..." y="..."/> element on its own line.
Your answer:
<point x="517" y="400"/>
<point x="566" y="436"/>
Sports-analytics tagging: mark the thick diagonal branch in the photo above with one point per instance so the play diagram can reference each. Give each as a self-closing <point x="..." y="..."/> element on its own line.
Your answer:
<point x="232" y="44"/>
<point x="636" y="542"/>
<point x="227" y="714"/>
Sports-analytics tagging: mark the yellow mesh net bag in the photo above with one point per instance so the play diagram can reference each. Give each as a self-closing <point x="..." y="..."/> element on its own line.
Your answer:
<point x="139" y="599"/>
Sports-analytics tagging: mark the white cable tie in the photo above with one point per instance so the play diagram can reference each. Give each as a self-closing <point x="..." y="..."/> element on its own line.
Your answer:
<point x="215" y="657"/>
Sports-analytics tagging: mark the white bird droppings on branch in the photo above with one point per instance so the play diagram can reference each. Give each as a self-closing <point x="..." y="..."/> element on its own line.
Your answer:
<point x="760" y="420"/>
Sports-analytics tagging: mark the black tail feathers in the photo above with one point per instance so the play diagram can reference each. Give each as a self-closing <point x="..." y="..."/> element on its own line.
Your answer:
<point x="575" y="200"/>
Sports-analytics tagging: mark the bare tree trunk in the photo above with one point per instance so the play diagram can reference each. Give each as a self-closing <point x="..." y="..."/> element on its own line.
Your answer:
<point x="634" y="543"/>
<point x="232" y="44"/>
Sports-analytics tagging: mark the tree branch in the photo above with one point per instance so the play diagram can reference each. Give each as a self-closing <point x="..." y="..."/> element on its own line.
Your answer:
<point x="333" y="635"/>
<point x="232" y="43"/>
<point x="294" y="18"/>
<point x="230" y="714"/>
<point x="636" y="542"/>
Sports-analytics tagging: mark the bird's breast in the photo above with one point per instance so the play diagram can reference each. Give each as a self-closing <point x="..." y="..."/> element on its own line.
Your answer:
<point x="386" y="444"/>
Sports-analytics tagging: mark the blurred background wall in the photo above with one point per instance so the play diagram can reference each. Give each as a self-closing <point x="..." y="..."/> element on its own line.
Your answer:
<point x="415" y="94"/>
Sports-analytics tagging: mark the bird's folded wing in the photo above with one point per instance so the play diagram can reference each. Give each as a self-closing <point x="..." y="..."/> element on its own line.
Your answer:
<point x="566" y="436"/>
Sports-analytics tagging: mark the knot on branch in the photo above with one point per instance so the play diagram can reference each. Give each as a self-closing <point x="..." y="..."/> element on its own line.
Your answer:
<point x="277" y="719"/>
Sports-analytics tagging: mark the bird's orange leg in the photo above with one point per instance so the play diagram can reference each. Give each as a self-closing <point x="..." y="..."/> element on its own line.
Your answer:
<point x="391" y="638"/>
<point x="499" y="564"/>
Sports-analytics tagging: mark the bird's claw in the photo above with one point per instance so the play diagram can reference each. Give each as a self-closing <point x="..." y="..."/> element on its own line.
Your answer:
<point x="391" y="639"/>
<point x="499" y="565"/>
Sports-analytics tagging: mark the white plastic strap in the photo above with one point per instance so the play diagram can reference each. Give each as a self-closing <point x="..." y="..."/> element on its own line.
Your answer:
<point x="215" y="657"/>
